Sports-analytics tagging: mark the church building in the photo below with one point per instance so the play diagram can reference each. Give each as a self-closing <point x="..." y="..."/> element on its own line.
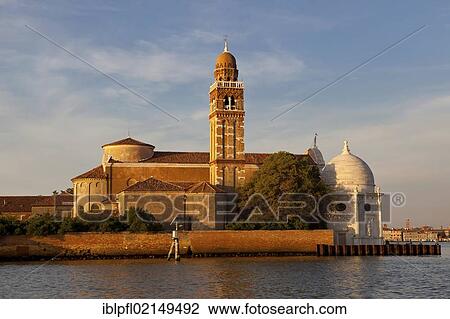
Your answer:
<point x="172" y="181"/>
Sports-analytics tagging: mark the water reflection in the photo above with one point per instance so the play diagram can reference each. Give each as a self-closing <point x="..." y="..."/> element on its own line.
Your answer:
<point x="253" y="277"/>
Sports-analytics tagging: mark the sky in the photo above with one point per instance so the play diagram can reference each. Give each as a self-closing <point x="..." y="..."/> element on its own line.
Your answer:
<point x="56" y="112"/>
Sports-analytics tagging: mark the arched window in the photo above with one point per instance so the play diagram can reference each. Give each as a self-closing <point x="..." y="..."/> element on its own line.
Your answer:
<point x="226" y="102"/>
<point x="232" y="103"/>
<point x="229" y="103"/>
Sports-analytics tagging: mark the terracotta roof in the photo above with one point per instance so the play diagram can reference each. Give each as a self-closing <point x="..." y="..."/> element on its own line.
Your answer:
<point x="179" y="157"/>
<point x="204" y="187"/>
<point x="96" y="172"/>
<point x="59" y="200"/>
<point x="154" y="185"/>
<point x="128" y="141"/>
<point x="18" y="203"/>
<point x="203" y="157"/>
<point x="23" y="204"/>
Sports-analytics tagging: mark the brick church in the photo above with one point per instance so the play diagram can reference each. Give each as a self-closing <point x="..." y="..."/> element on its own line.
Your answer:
<point x="196" y="188"/>
<point x="131" y="169"/>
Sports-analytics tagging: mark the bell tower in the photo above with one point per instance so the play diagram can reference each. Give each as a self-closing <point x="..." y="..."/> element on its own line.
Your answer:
<point x="226" y="121"/>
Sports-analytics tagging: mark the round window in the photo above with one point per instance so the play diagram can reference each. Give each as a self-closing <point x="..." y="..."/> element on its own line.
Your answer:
<point x="340" y="207"/>
<point x="367" y="207"/>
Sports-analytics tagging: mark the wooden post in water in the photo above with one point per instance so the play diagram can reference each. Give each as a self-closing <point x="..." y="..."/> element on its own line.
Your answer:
<point x="333" y="250"/>
<point x="175" y="246"/>
<point x="348" y="250"/>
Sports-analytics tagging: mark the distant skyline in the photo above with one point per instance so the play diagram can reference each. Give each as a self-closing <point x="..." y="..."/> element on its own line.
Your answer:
<point x="56" y="112"/>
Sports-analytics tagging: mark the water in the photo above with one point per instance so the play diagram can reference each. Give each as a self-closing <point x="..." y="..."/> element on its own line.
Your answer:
<point x="255" y="277"/>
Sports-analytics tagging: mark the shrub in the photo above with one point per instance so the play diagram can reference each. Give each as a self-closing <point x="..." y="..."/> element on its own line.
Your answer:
<point x="141" y="221"/>
<point x="42" y="225"/>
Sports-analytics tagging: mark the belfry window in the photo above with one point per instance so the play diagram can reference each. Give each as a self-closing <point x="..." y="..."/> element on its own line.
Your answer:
<point x="229" y="103"/>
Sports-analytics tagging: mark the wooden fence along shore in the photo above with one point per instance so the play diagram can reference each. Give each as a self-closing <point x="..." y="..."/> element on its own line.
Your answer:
<point x="397" y="249"/>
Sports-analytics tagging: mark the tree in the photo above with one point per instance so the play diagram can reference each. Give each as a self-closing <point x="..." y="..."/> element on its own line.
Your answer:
<point x="42" y="225"/>
<point x="281" y="175"/>
<point x="141" y="221"/>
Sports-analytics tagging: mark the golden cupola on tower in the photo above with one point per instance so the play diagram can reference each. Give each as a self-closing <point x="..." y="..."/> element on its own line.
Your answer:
<point x="226" y="67"/>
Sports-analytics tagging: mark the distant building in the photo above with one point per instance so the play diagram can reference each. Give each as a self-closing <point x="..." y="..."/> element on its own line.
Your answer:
<point x="420" y="235"/>
<point x="393" y="234"/>
<point x="22" y="207"/>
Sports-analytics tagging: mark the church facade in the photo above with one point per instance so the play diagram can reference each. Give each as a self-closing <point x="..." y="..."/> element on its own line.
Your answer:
<point x="173" y="183"/>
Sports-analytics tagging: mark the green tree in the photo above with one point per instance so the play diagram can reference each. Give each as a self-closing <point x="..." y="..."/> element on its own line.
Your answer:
<point x="42" y="225"/>
<point x="281" y="174"/>
<point x="74" y="225"/>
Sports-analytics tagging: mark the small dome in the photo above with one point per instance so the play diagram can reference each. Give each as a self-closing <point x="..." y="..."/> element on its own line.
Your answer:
<point x="316" y="156"/>
<point x="127" y="150"/>
<point x="226" y="59"/>
<point x="347" y="172"/>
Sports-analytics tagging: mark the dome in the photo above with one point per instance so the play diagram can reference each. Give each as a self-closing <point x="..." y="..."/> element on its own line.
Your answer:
<point x="347" y="172"/>
<point x="226" y="59"/>
<point x="127" y="150"/>
<point x="316" y="154"/>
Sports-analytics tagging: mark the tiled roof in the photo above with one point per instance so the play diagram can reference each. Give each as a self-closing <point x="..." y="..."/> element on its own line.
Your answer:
<point x="96" y="172"/>
<point x="59" y="200"/>
<point x="203" y="157"/>
<point x="11" y="204"/>
<point x="154" y="185"/>
<point x="179" y="157"/>
<point x="204" y="187"/>
<point x="128" y="141"/>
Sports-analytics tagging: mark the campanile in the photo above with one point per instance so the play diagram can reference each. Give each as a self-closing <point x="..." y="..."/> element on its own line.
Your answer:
<point x="226" y="121"/>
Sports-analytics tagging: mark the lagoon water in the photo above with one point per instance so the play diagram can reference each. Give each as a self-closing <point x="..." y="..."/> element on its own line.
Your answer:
<point x="241" y="277"/>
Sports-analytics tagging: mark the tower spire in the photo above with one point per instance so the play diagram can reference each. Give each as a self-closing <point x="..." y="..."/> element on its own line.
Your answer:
<point x="315" y="140"/>
<point x="225" y="45"/>
<point x="346" y="149"/>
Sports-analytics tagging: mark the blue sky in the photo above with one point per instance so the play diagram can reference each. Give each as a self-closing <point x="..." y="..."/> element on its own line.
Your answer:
<point x="55" y="112"/>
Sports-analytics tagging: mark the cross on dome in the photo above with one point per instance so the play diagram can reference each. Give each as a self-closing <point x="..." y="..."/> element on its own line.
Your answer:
<point x="225" y="46"/>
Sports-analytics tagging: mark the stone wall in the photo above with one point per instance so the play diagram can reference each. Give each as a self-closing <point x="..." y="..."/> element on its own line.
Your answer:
<point x="97" y="245"/>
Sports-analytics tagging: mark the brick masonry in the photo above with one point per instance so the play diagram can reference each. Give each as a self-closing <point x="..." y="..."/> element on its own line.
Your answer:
<point x="109" y="245"/>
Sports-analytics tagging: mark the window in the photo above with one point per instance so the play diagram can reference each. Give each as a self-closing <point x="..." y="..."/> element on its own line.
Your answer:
<point x="229" y="103"/>
<point x="340" y="207"/>
<point x="95" y="207"/>
<point x="367" y="207"/>
<point x="226" y="102"/>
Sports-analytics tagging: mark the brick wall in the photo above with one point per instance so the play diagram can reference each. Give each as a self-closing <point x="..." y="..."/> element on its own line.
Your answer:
<point x="157" y="244"/>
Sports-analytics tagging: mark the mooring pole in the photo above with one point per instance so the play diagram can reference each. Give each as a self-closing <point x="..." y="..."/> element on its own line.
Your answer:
<point x="175" y="246"/>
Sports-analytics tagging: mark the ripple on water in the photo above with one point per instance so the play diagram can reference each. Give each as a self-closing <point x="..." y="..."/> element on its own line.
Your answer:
<point x="252" y="277"/>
